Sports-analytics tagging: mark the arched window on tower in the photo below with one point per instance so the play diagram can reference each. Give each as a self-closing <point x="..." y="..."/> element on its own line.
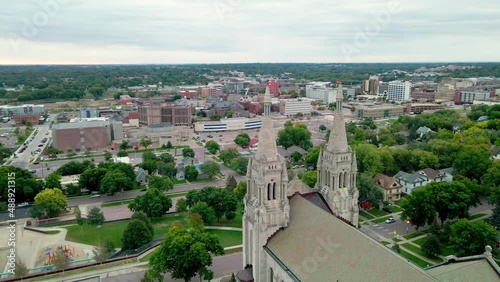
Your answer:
<point x="345" y="179"/>
<point x="274" y="191"/>
<point x="340" y="179"/>
<point x="268" y="191"/>
<point x="271" y="275"/>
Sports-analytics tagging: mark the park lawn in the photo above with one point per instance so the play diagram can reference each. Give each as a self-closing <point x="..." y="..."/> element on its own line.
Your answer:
<point x="115" y="203"/>
<point x="377" y="212"/>
<point x="91" y="235"/>
<point x="162" y="225"/>
<point x="366" y="215"/>
<point x="228" y="238"/>
<point x="418" y="251"/>
<point x="236" y="222"/>
<point x="416" y="234"/>
<point x="418" y="261"/>
<point x="381" y="220"/>
<point x="420" y="241"/>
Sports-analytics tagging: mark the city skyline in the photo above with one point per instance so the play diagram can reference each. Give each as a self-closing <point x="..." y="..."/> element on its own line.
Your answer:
<point x="238" y="31"/>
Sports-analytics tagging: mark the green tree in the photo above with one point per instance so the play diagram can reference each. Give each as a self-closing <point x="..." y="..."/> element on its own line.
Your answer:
<point x="79" y="219"/>
<point x="215" y="117"/>
<point x="144" y="218"/>
<point x="187" y="152"/>
<point x="122" y="154"/>
<point x="368" y="191"/>
<point x="74" y="167"/>
<point x="450" y="199"/>
<point x="109" y="245"/>
<point x="146" y="156"/>
<point x="167" y="158"/>
<point x="310" y="178"/>
<point x="181" y="205"/>
<point x="61" y="261"/>
<point x="296" y="156"/>
<point x="419" y="208"/>
<point x="227" y="155"/>
<point x="49" y="203"/>
<point x="185" y="254"/>
<point x="91" y="179"/>
<point x="495" y="217"/>
<point x="312" y="156"/>
<point x="432" y="246"/>
<point x="73" y="190"/>
<point x="115" y="181"/>
<point x="95" y="216"/>
<point x="212" y="147"/>
<point x="149" y="165"/>
<point x="297" y="135"/>
<point x="239" y="165"/>
<point x="206" y="212"/>
<point x="169" y="145"/>
<point x="491" y="181"/>
<point x="159" y="182"/>
<point x="229" y="114"/>
<point x="101" y="253"/>
<point x="322" y="127"/>
<point x="210" y="168"/>
<point x="21" y="269"/>
<point x="125" y="145"/>
<point x="195" y="221"/>
<point x="221" y="200"/>
<point x="242" y="140"/>
<point x="153" y="203"/>
<point x="135" y="235"/>
<point x="166" y="169"/>
<point x="231" y="183"/>
<point x="190" y="173"/>
<point x="471" y="237"/>
<point x="107" y="155"/>
<point x="145" y="142"/>
<point x="369" y="159"/>
<point x="53" y="180"/>
<point x="240" y="191"/>
<point x="472" y="163"/>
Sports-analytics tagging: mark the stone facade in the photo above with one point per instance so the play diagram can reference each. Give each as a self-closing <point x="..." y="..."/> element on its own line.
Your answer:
<point x="337" y="170"/>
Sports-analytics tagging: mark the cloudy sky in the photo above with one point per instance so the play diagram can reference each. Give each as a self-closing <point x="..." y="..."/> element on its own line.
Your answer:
<point x="228" y="31"/>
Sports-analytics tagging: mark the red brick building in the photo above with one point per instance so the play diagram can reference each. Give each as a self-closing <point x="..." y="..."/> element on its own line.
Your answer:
<point x="151" y="113"/>
<point x="31" y="118"/>
<point x="274" y="88"/>
<point x="81" y="135"/>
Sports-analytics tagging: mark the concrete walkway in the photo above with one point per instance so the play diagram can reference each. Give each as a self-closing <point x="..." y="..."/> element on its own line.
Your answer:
<point x="224" y="228"/>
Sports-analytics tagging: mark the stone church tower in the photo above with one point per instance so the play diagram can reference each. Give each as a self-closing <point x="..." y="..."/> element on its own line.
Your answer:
<point x="267" y="207"/>
<point x="337" y="169"/>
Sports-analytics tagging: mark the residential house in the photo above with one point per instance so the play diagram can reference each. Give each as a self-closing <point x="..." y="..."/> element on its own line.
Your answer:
<point x="411" y="181"/>
<point x="389" y="187"/>
<point x="141" y="175"/>
<point x="286" y="153"/>
<point x="423" y="130"/>
<point x="495" y="153"/>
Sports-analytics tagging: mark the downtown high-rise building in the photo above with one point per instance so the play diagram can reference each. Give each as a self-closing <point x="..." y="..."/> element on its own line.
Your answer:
<point x="399" y="91"/>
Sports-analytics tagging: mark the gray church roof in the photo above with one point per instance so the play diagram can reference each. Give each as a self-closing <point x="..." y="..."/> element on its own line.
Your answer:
<point x="297" y="186"/>
<point x="317" y="246"/>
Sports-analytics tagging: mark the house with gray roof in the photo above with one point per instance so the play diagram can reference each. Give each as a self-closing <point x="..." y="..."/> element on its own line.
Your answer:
<point x="411" y="181"/>
<point x="141" y="175"/>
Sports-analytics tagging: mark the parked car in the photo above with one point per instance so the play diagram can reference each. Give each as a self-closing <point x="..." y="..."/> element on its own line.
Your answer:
<point x="390" y="220"/>
<point x="95" y="196"/>
<point x="144" y="190"/>
<point x="33" y="171"/>
<point x="25" y="204"/>
<point x="388" y="210"/>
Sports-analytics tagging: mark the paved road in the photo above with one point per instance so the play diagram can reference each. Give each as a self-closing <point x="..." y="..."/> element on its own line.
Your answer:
<point x="221" y="266"/>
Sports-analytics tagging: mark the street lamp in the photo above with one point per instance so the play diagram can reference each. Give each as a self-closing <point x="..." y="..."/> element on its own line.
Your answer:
<point x="407" y="226"/>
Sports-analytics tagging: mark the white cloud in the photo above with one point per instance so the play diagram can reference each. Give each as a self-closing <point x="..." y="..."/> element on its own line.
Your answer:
<point x="213" y="31"/>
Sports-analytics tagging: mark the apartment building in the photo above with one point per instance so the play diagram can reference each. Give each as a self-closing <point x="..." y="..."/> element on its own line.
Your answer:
<point x="399" y="91"/>
<point x="290" y="107"/>
<point x="160" y="112"/>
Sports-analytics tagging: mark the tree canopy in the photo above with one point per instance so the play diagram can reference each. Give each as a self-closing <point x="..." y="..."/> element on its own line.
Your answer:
<point x="153" y="203"/>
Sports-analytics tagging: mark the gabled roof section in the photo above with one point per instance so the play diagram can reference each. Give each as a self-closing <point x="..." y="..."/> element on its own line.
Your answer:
<point x="297" y="186"/>
<point x="385" y="181"/>
<point x="429" y="172"/>
<point x="411" y="178"/>
<point x="338" y="251"/>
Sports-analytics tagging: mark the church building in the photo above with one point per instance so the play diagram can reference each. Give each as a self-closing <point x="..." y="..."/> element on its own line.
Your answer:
<point x="292" y="232"/>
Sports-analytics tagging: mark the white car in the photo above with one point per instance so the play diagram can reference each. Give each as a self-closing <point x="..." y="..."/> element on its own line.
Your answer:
<point x="95" y="196"/>
<point x="23" y="204"/>
<point x="390" y="220"/>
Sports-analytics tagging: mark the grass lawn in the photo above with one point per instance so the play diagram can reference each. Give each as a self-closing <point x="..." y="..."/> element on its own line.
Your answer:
<point x="365" y="215"/>
<point x="381" y="220"/>
<point x="420" y="241"/>
<point x="418" y="261"/>
<point x="416" y="234"/>
<point x="91" y="235"/>
<point x="477" y="215"/>
<point x="396" y="239"/>
<point x="228" y="238"/>
<point x="117" y="203"/>
<point x="147" y="257"/>
<point x="52" y="232"/>
<point x="175" y="195"/>
<point x="418" y="251"/>
<point x="395" y="208"/>
<point x="233" y="251"/>
<point x="180" y="181"/>
<point x="447" y="250"/>
<point x="385" y="243"/>
<point x="377" y="212"/>
<point x="236" y="222"/>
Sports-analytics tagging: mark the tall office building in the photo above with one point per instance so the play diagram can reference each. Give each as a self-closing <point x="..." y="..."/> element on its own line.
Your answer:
<point x="88" y="112"/>
<point x="399" y="91"/>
